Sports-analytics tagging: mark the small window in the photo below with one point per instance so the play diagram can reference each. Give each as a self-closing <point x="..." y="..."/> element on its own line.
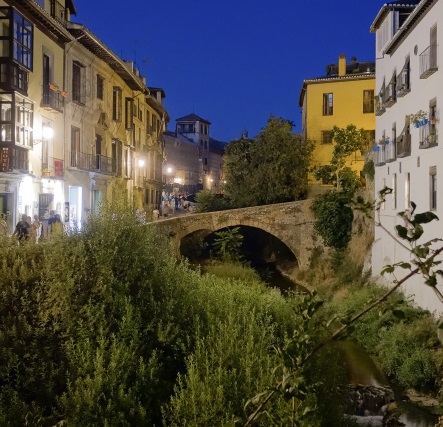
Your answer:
<point x="368" y="101"/>
<point x="433" y="188"/>
<point x="78" y="83"/>
<point x="129" y="106"/>
<point x="328" y="104"/>
<point x="326" y="137"/>
<point x="394" y="191"/>
<point x="117" y="104"/>
<point x="100" y="86"/>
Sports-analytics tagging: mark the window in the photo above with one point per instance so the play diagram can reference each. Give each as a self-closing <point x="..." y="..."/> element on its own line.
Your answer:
<point x="407" y="190"/>
<point x="433" y="188"/>
<point x="394" y="191"/>
<point x="100" y="87"/>
<point x="326" y="137"/>
<point x="117" y="104"/>
<point x="368" y="101"/>
<point x="328" y="104"/>
<point x="148" y="123"/>
<point x="154" y="123"/>
<point x="78" y="82"/>
<point x="75" y="147"/>
<point x="433" y="121"/>
<point x="129" y="106"/>
<point x="23" y="41"/>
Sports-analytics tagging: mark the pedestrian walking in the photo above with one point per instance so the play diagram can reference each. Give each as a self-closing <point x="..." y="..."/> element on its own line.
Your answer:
<point x="22" y="229"/>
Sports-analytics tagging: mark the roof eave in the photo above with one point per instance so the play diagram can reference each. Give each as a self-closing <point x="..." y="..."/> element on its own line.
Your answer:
<point x="99" y="49"/>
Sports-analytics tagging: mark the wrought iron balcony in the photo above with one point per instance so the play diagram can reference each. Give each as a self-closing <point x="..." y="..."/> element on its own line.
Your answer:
<point x="93" y="162"/>
<point x="428" y="62"/>
<point x="428" y="136"/>
<point x="52" y="100"/>
<point x="390" y="150"/>
<point x="390" y="96"/>
<point x="380" y="155"/>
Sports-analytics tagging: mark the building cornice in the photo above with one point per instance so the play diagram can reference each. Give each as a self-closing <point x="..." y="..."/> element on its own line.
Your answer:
<point x="333" y="79"/>
<point x="91" y="42"/>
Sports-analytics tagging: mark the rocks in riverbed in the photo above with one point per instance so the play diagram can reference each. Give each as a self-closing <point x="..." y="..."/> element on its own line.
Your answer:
<point x="367" y="400"/>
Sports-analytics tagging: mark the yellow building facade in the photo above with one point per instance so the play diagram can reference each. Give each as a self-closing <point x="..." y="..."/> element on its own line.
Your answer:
<point x="344" y="96"/>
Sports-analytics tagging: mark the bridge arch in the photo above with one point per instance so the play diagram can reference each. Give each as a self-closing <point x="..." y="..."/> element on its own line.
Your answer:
<point x="291" y="223"/>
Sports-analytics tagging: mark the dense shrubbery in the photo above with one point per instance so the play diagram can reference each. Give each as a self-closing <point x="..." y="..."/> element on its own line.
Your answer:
<point x="105" y="328"/>
<point x="207" y="201"/>
<point x="402" y="337"/>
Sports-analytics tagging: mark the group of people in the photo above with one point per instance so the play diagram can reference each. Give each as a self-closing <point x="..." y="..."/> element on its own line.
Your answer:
<point x="28" y="229"/>
<point x="171" y="202"/>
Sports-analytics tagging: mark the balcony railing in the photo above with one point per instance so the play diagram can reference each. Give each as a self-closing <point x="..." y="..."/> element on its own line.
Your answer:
<point x="390" y="149"/>
<point x="52" y="100"/>
<point x="390" y="96"/>
<point x="58" y="12"/>
<point x="380" y="155"/>
<point x="428" y="62"/>
<point x="93" y="162"/>
<point x="428" y="136"/>
<point x="52" y="167"/>
<point x="403" y="145"/>
<point x="104" y="164"/>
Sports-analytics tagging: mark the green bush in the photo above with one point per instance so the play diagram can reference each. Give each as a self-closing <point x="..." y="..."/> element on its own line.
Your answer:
<point x="333" y="218"/>
<point x="207" y="201"/>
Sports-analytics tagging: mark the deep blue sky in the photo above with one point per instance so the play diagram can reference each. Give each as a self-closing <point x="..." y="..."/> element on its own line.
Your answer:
<point x="232" y="62"/>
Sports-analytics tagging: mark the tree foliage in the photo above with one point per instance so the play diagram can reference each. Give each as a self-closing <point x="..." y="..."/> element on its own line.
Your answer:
<point x="270" y="168"/>
<point x="347" y="141"/>
<point x="333" y="218"/>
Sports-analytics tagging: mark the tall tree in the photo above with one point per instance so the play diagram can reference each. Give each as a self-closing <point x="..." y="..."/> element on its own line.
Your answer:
<point x="270" y="168"/>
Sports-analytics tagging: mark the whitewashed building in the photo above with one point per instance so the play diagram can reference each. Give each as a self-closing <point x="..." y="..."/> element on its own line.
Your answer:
<point x="409" y="154"/>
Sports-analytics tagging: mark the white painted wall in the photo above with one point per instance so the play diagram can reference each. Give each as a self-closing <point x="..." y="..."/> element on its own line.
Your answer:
<point x="385" y="250"/>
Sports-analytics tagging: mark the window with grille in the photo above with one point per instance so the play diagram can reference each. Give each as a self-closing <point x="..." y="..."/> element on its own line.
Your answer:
<point x="326" y="137"/>
<point x="129" y="106"/>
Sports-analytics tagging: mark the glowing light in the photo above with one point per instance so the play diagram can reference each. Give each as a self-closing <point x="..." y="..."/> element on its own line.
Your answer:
<point x="141" y="163"/>
<point x="169" y="169"/>
<point x="178" y="180"/>
<point x="47" y="132"/>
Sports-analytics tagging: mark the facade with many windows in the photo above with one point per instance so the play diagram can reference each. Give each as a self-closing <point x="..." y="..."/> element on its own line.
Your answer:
<point x="194" y="160"/>
<point x="345" y="95"/>
<point x="407" y="155"/>
<point x="76" y="120"/>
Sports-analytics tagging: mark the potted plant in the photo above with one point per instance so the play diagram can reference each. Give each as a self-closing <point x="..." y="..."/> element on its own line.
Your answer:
<point x="419" y="118"/>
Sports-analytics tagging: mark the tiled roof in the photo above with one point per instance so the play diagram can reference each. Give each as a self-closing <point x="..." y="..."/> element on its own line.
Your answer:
<point x="192" y="118"/>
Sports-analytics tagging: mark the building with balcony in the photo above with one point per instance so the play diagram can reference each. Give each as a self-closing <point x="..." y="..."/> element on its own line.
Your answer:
<point x="32" y="104"/>
<point x="113" y="129"/>
<point x="194" y="160"/>
<point x="76" y="121"/>
<point x="343" y="96"/>
<point x="409" y="91"/>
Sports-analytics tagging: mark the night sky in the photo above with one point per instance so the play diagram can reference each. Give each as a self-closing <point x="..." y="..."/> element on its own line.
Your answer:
<point x="232" y="62"/>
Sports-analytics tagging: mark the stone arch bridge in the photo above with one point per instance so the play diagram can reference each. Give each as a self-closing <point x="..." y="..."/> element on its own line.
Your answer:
<point x="292" y="223"/>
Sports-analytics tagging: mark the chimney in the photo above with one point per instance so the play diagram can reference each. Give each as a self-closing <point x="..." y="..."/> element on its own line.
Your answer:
<point x="342" y="65"/>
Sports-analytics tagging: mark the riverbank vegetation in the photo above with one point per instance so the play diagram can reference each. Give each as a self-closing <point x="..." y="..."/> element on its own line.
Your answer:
<point x="103" y="327"/>
<point x="401" y="337"/>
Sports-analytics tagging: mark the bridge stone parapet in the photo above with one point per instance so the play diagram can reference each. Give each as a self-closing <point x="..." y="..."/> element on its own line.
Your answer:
<point x="292" y="223"/>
